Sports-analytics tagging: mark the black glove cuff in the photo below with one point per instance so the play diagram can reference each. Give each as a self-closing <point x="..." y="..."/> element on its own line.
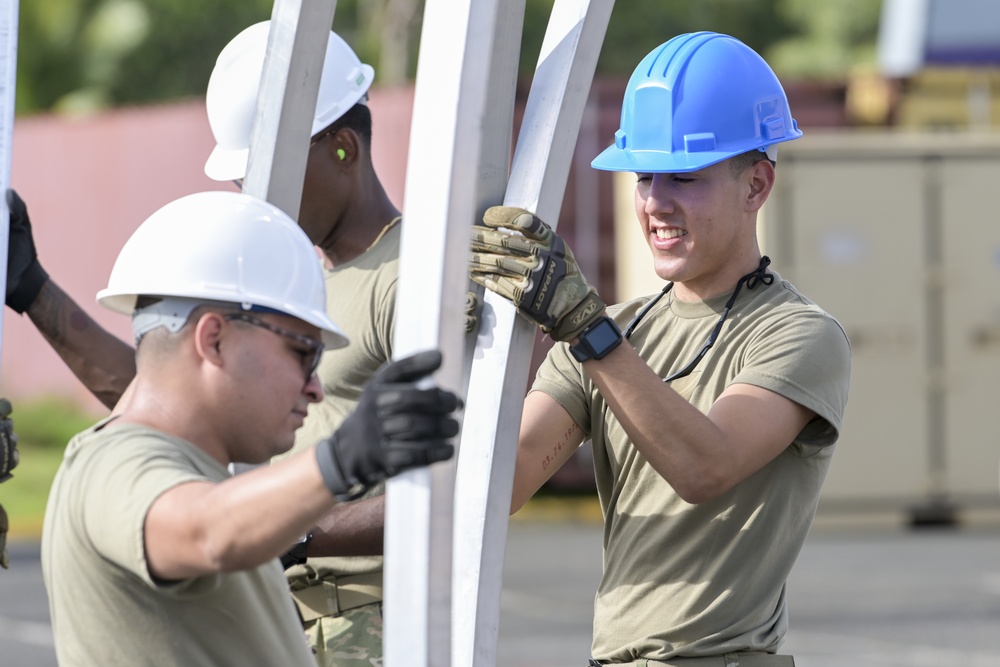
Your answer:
<point x="28" y="287"/>
<point x="336" y="481"/>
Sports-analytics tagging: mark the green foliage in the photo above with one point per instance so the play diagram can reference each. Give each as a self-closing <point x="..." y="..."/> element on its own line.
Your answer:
<point x="639" y="26"/>
<point x="43" y="428"/>
<point x="24" y="496"/>
<point x="830" y="38"/>
<point x="48" y="422"/>
<point x="82" y="55"/>
<point x="79" y="55"/>
<point x="177" y="57"/>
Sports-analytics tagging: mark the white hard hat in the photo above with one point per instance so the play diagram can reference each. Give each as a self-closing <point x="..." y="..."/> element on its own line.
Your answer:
<point x="223" y="247"/>
<point x="231" y="99"/>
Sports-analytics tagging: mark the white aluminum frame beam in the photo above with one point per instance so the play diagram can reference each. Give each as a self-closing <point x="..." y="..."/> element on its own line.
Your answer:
<point x="8" y="81"/>
<point x="286" y="101"/>
<point x="448" y="133"/>
<point x="286" y="104"/>
<point x="488" y="449"/>
<point x="493" y="175"/>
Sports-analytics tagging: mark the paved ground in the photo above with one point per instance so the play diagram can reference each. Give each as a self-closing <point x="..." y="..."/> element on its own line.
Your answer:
<point x="877" y="596"/>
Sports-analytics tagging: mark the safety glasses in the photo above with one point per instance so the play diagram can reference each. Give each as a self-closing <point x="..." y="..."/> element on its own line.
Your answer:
<point x="309" y="349"/>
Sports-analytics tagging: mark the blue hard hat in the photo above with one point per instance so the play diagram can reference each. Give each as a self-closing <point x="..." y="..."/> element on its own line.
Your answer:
<point x="696" y="100"/>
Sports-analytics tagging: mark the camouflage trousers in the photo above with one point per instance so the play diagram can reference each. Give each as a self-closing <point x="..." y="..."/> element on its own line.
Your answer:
<point x="352" y="639"/>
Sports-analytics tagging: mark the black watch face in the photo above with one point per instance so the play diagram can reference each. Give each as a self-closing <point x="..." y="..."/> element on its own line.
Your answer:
<point x="602" y="337"/>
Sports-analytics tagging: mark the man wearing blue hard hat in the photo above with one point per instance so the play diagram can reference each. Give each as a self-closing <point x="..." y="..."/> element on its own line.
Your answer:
<point x="713" y="405"/>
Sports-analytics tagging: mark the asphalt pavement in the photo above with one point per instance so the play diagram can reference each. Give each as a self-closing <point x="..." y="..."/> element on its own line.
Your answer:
<point x="877" y="595"/>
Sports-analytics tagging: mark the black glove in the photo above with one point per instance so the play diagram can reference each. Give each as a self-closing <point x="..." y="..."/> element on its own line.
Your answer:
<point x="395" y="426"/>
<point x="25" y="276"/>
<point x="8" y="441"/>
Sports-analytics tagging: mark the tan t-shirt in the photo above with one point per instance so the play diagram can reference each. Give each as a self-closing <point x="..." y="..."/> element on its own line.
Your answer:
<point x="361" y="300"/>
<point x="105" y="607"/>
<point x="693" y="580"/>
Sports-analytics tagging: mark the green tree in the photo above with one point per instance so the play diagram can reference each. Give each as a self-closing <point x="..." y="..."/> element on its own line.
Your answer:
<point x="80" y="55"/>
<point x="830" y="39"/>
<point x="83" y="55"/>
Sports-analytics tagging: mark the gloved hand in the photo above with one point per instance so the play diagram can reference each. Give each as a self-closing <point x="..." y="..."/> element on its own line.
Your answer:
<point x="8" y="461"/>
<point x="536" y="272"/>
<point x="25" y="276"/>
<point x="395" y="426"/>
<point x="4" y="558"/>
<point x="471" y="308"/>
<point x="8" y="441"/>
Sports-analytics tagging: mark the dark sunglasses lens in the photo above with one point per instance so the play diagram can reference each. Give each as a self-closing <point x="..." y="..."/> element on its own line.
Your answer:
<point x="312" y="362"/>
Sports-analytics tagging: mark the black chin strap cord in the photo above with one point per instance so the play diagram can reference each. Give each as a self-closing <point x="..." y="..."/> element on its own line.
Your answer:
<point x="756" y="277"/>
<point x="751" y="280"/>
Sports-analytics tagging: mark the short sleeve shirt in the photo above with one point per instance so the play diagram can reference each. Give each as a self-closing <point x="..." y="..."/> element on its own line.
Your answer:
<point x="683" y="580"/>
<point x="106" y="608"/>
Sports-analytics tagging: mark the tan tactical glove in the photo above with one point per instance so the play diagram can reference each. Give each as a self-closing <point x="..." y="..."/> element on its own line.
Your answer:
<point x="8" y="441"/>
<point x="8" y="460"/>
<point x="471" y="308"/>
<point x="536" y="271"/>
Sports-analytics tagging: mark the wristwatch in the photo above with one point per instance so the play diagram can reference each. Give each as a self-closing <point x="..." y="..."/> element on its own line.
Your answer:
<point x="297" y="554"/>
<point x="597" y="340"/>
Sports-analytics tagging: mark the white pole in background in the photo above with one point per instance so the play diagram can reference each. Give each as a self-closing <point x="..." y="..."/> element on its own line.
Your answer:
<point x="286" y="101"/>
<point x="286" y="104"/>
<point x="8" y="86"/>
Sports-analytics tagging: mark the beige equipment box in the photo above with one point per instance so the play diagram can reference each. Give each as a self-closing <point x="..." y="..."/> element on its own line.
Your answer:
<point x="897" y="236"/>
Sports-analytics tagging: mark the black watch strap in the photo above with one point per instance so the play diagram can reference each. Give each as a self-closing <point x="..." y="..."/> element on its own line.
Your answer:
<point x="297" y="554"/>
<point x="597" y="340"/>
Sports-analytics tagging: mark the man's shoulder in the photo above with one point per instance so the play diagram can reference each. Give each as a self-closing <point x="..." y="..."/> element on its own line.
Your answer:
<point x="786" y="300"/>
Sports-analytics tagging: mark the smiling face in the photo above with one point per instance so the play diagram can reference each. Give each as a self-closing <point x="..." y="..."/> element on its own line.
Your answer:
<point x="701" y="226"/>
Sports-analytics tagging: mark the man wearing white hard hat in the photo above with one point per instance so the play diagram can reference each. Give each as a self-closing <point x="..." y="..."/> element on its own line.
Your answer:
<point x="152" y="553"/>
<point x="346" y="212"/>
<point x="714" y="405"/>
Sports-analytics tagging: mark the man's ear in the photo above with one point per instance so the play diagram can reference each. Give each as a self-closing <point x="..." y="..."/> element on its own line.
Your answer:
<point x="345" y="146"/>
<point x="209" y="332"/>
<point x="761" y="175"/>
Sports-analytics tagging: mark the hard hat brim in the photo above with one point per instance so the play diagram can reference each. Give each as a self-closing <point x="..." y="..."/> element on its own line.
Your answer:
<point x="227" y="165"/>
<point x="613" y="158"/>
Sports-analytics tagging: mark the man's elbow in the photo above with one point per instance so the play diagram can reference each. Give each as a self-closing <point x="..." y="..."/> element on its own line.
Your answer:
<point x="702" y="487"/>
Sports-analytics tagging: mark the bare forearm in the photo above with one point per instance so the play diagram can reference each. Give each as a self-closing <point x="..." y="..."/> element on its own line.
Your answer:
<point x="547" y="439"/>
<point x="351" y="529"/>
<point x="103" y="363"/>
<point x="200" y="528"/>
<point x="700" y="455"/>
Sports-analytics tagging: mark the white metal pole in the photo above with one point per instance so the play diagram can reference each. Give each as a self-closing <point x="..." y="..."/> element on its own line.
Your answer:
<point x="286" y="104"/>
<point x="537" y="182"/>
<point x="8" y="80"/>
<point x="286" y="101"/>
<point x="449" y="116"/>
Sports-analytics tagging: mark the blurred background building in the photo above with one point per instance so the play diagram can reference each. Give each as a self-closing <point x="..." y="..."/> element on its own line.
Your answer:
<point x="884" y="212"/>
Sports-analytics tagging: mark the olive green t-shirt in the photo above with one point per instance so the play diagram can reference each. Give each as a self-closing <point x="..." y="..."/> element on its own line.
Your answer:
<point x="106" y="609"/>
<point x="684" y="580"/>
<point x="361" y="300"/>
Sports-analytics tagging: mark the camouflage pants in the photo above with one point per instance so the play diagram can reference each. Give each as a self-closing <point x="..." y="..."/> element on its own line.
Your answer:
<point x="353" y="639"/>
